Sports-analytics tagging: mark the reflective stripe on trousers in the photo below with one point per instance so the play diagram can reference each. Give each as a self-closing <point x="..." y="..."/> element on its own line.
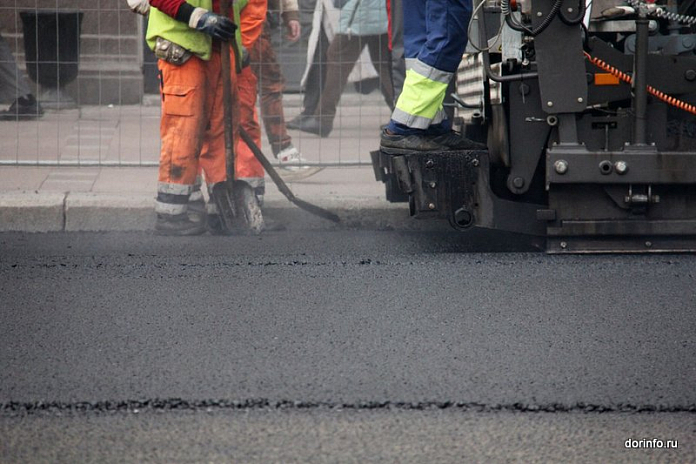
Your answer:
<point x="420" y="102"/>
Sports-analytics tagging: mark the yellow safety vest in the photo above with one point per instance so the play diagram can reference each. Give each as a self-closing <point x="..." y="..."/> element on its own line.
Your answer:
<point x="198" y="43"/>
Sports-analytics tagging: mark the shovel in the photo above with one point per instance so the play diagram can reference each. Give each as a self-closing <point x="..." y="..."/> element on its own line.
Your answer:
<point x="235" y="199"/>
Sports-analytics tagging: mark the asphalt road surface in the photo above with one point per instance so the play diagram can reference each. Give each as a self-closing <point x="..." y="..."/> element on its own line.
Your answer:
<point x="341" y="346"/>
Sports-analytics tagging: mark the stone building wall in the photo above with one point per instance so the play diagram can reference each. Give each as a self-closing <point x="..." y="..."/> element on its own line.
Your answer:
<point x="114" y="66"/>
<point x="111" y="50"/>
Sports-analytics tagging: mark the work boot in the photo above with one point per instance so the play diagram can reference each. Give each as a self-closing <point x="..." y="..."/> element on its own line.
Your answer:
<point x="23" y="108"/>
<point x="396" y="144"/>
<point x="291" y="165"/>
<point x="213" y="221"/>
<point x="196" y="206"/>
<point x="321" y="126"/>
<point x="214" y="225"/>
<point x="455" y="141"/>
<point x="177" y="224"/>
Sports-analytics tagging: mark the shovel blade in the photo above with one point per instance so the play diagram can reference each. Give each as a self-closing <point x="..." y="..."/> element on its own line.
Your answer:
<point x="247" y="207"/>
<point x="238" y="207"/>
<point x="223" y="196"/>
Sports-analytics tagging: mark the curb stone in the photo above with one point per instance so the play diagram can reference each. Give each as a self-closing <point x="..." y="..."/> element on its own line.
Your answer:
<point x="108" y="212"/>
<point x="32" y="211"/>
<point x="103" y="212"/>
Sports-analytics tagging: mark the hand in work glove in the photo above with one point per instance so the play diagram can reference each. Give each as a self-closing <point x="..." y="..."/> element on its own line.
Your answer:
<point x="139" y="6"/>
<point x="212" y="24"/>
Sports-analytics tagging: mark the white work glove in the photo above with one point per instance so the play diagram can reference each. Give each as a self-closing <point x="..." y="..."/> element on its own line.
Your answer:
<point x="139" y="6"/>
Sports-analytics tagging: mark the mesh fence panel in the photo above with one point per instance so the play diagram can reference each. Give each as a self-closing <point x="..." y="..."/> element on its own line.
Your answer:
<point x="96" y="81"/>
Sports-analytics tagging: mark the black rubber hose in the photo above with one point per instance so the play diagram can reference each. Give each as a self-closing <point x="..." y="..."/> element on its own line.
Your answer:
<point x="513" y="25"/>
<point x="545" y="23"/>
<point x="541" y="27"/>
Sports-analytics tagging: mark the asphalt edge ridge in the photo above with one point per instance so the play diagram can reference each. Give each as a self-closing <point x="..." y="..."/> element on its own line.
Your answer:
<point x="177" y="404"/>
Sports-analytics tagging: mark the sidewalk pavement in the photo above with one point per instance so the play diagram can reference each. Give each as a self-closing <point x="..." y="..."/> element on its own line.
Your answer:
<point x="107" y="196"/>
<point x="130" y="134"/>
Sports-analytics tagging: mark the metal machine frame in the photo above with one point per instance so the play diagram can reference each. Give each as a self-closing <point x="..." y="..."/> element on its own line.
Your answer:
<point x="579" y="146"/>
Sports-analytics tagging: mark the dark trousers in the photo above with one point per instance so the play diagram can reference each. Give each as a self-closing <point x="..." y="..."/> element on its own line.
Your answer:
<point x="316" y="77"/>
<point x="13" y="83"/>
<point x="397" y="49"/>
<point x="342" y="54"/>
<point x="435" y="31"/>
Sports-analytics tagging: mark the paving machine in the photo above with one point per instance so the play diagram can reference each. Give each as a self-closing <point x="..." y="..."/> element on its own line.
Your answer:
<point x="589" y="115"/>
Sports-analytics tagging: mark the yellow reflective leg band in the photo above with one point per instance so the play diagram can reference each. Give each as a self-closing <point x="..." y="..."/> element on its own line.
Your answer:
<point x="420" y="101"/>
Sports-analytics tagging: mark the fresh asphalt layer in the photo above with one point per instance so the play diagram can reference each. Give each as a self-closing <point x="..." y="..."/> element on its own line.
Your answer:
<point x="340" y="346"/>
<point x="341" y="318"/>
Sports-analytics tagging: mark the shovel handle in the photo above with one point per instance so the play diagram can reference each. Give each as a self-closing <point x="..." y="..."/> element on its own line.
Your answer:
<point x="227" y="99"/>
<point x="280" y="183"/>
<point x="272" y="173"/>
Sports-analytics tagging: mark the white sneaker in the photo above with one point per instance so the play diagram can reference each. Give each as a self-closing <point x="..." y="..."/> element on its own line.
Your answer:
<point x="290" y="156"/>
<point x="291" y="160"/>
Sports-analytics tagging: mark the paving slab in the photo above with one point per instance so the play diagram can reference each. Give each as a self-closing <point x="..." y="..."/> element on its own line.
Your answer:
<point x="70" y="180"/>
<point x="127" y="180"/>
<point x="14" y="178"/>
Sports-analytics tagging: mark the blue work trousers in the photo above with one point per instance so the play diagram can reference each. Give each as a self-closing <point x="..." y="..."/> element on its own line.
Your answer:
<point x="435" y="31"/>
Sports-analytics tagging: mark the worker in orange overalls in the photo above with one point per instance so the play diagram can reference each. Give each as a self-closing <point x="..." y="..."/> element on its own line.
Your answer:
<point x="186" y="36"/>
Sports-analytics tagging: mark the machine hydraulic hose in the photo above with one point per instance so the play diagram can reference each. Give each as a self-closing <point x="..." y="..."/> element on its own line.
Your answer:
<point x="654" y="10"/>
<point x="651" y="90"/>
